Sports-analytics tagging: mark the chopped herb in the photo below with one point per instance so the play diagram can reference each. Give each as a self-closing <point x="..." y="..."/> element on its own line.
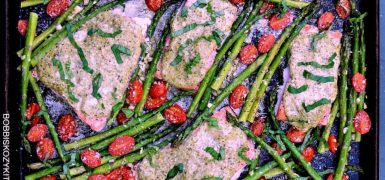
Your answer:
<point x="241" y="154"/>
<point x="319" y="79"/>
<point x="127" y="112"/>
<point x="199" y="4"/>
<point x="102" y="106"/>
<point x="317" y="65"/>
<point x="185" y="29"/>
<point x="179" y="54"/>
<point x="211" y="178"/>
<point x="321" y="102"/>
<point x="68" y="70"/>
<point x="192" y="63"/>
<point x="79" y="50"/>
<point x="175" y="171"/>
<point x="58" y="64"/>
<point x="184" y="12"/>
<point x="216" y="155"/>
<point x="101" y="33"/>
<point x="71" y="96"/>
<point x="294" y="90"/>
<point x="217" y="35"/>
<point x="96" y="82"/>
<point x="315" y="39"/>
<point x="119" y="49"/>
<point x="113" y="94"/>
<point x="212" y="122"/>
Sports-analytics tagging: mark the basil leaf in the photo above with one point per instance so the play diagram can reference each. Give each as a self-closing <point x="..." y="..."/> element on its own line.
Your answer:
<point x="127" y="112"/>
<point x="212" y="122"/>
<point x="320" y="102"/>
<point x="179" y="54"/>
<point x="209" y="8"/>
<point x="185" y="29"/>
<point x="192" y="63"/>
<point x="179" y="168"/>
<point x="199" y="4"/>
<point x="317" y="65"/>
<point x="211" y="178"/>
<point x="216" y="155"/>
<point x="68" y="70"/>
<point x="217" y="35"/>
<point x="58" y="64"/>
<point x="71" y="96"/>
<point x="79" y="50"/>
<point x="184" y="12"/>
<point x="294" y="90"/>
<point x="101" y="33"/>
<point x="319" y="79"/>
<point x="119" y="49"/>
<point x="315" y="39"/>
<point x="96" y="82"/>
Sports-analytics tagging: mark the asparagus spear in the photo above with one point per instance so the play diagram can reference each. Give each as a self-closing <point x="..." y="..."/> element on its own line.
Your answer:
<point x="241" y="16"/>
<point x="226" y="92"/>
<point x="265" y="73"/>
<point x="277" y="171"/>
<point x="281" y="161"/>
<point x="25" y="74"/>
<point x="151" y="71"/>
<point x="292" y="3"/>
<point x="226" y="46"/>
<point x="343" y="85"/>
<point x="58" y="21"/>
<point x="30" y="3"/>
<point x="158" y="15"/>
<point x="322" y="146"/>
<point x="265" y="168"/>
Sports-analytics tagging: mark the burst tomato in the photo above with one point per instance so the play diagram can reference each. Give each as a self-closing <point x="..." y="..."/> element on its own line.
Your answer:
<point x="32" y="109"/>
<point x="343" y="8"/>
<point x="248" y="54"/>
<point x="135" y="92"/>
<point x="37" y="132"/>
<point x="57" y="7"/>
<point x="158" y="89"/>
<point x="122" y="173"/>
<point x="45" y="149"/>
<point x="66" y="127"/>
<point x="237" y="97"/>
<point x="258" y="126"/>
<point x="175" y="114"/>
<point x="295" y="135"/>
<point x="152" y="103"/>
<point x="121" y="145"/>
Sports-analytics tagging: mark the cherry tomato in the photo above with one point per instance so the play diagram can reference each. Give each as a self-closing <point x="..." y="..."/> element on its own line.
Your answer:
<point x="154" y="5"/>
<point x="97" y="177"/>
<point x="262" y="178"/>
<point x="115" y="174"/>
<point x="362" y="122"/>
<point x="265" y="43"/>
<point x="37" y="132"/>
<point x="158" y="89"/>
<point x="35" y="120"/>
<point x="266" y="6"/>
<point x="66" y="127"/>
<point x="22" y="26"/>
<point x="237" y="97"/>
<point x="343" y="8"/>
<point x="175" y="114"/>
<point x="276" y="147"/>
<point x="121" y="118"/>
<point x="122" y="173"/>
<point x="32" y="109"/>
<point x="121" y="145"/>
<point x="258" y="126"/>
<point x="50" y="177"/>
<point x="237" y="2"/>
<point x="91" y="158"/>
<point x="278" y="23"/>
<point x="308" y="153"/>
<point x="359" y="82"/>
<point x="248" y="54"/>
<point x="325" y="20"/>
<point x="57" y="7"/>
<point x="331" y="177"/>
<point x="295" y="135"/>
<point x="135" y="92"/>
<point x="281" y="115"/>
<point x="45" y="149"/>
<point x="155" y="103"/>
<point x="333" y="144"/>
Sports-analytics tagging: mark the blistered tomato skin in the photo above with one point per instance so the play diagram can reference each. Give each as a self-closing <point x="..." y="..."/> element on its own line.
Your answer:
<point x="154" y="5"/>
<point x="238" y="96"/>
<point x="45" y="149"/>
<point x="37" y="132"/>
<point x="57" y="7"/>
<point x="135" y="92"/>
<point x="258" y="126"/>
<point x="295" y="135"/>
<point x="325" y="20"/>
<point x="121" y="145"/>
<point x="66" y="127"/>
<point x="175" y="114"/>
<point x="248" y="54"/>
<point x="362" y="122"/>
<point x="91" y="158"/>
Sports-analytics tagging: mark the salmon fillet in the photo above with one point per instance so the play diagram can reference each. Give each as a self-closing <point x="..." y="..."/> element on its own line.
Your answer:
<point x="310" y="106"/>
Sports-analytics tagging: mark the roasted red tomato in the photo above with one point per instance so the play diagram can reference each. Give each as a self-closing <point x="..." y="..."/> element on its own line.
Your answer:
<point x="122" y="173"/>
<point x="121" y="118"/>
<point x="97" y="177"/>
<point x="66" y="127"/>
<point x="91" y="158"/>
<point x="158" y="89"/>
<point x="262" y="178"/>
<point x="45" y="149"/>
<point x="308" y="153"/>
<point x="258" y="126"/>
<point x="22" y="26"/>
<point x="237" y="2"/>
<point x="175" y="114"/>
<point x="32" y="109"/>
<point x="266" y="6"/>
<point x="343" y="8"/>
<point x="121" y="145"/>
<point x="362" y="122"/>
<point x="37" y="132"/>
<point x="154" y="5"/>
<point x="57" y="7"/>
<point x="325" y="20"/>
<point x="331" y="177"/>
<point x="333" y="144"/>
<point x="135" y="92"/>
<point x="295" y="135"/>
<point x="155" y="103"/>
<point x="359" y="82"/>
<point x="35" y="120"/>
<point x="278" y="23"/>
<point x="237" y="97"/>
<point x="265" y="43"/>
<point x="248" y="54"/>
<point x="281" y="115"/>
<point x="50" y="177"/>
<point x="276" y="148"/>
